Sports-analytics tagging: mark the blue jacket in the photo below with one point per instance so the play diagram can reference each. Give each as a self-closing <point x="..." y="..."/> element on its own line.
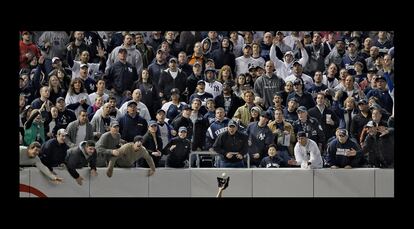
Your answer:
<point x="121" y="76"/>
<point x="90" y="85"/>
<point x="336" y="149"/>
<point x="304" y="100"/>
<point x="348" y="63"/>
<point x="130" y="127"/>
<point x="259" y="138"/>
<point x="214" y="130"/>
<point x="273" y="162"/>
<point x="385" y="100"/>
<point x="52" y="153"/>
<point x="155" y="70"/>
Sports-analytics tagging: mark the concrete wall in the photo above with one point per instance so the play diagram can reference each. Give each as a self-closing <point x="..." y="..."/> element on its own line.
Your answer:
<point x="384" y="183"/>
<point x="202" y="182"/>
<point x="25" y="180"/>
<point x="123" y="183"/>
<point x="170" y="183"/>
<point x="344" y="183"/>
<point x="69" y="187"/>
<point x="289" y="182"/>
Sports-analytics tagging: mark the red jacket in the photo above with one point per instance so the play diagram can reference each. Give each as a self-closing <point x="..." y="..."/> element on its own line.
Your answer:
<point x="24" y="48"/>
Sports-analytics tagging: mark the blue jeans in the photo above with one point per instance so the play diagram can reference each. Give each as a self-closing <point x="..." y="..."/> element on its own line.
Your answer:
<point x="225" y="164"/>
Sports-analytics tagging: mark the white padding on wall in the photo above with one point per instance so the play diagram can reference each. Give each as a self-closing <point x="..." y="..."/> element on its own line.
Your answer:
<point x="204" y="182"/>
<point x="25" y="180"/>
<point x="282" y="182"/>
<point x="170" y="183"/>
<point x="131" y="182"/>
<point x="69" y="187"/>
<point x="344" y="183"/>
<point x="384" y="182"/>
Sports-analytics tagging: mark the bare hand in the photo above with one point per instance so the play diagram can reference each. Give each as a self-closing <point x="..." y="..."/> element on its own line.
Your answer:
<point x="229" y="155"/>
<point x="172" y="147"/>
<point x="69" y="47"/>
<point x="258" y="101"/>
<point x="47" y="106"/>
<point x="62" y="166"/>
<point x="57" y="180"/>
<point x="173" y="132"/>
<point x="43" y="107"/>
<point x="239" y="156"/>
<point x="299" y="44"/>
<point x="361" y="94"/>
<point x="94" y="173"/>
<point x="156" y="153"/>
<point x="255" y="156"/>
<point x="372" y="131"/>
<point x="150" y="172"/>
<point x="338" y="94"/>
<point x="292" y="162"/>
<point x="29" y="55"/>
<point x="115" y="152"/>
<point x="79" y="180"/>
<point x="351" y="152"/>
<point x="101" y="51"/>
<point x="41" y="59"/>
<point x="275" y="41"/>
<point x="383" y="130"/>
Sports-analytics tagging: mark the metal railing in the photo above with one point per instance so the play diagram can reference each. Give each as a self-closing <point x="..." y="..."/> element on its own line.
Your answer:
<point x="212" y="153"/>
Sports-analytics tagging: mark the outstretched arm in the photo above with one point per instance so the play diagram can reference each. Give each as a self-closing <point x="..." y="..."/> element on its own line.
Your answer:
<point x="220" y="192"/>
<point x="223" y="183"/>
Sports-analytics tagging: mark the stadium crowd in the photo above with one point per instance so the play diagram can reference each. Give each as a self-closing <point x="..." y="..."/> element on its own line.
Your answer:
<point x="308" y="99"/>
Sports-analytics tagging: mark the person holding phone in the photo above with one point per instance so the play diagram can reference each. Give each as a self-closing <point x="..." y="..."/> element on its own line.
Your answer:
<point x="231" y="145"/>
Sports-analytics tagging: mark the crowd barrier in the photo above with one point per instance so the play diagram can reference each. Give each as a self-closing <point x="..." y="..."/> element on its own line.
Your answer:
<point x="214" y="154"/>
<point x="202" y="182"/>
